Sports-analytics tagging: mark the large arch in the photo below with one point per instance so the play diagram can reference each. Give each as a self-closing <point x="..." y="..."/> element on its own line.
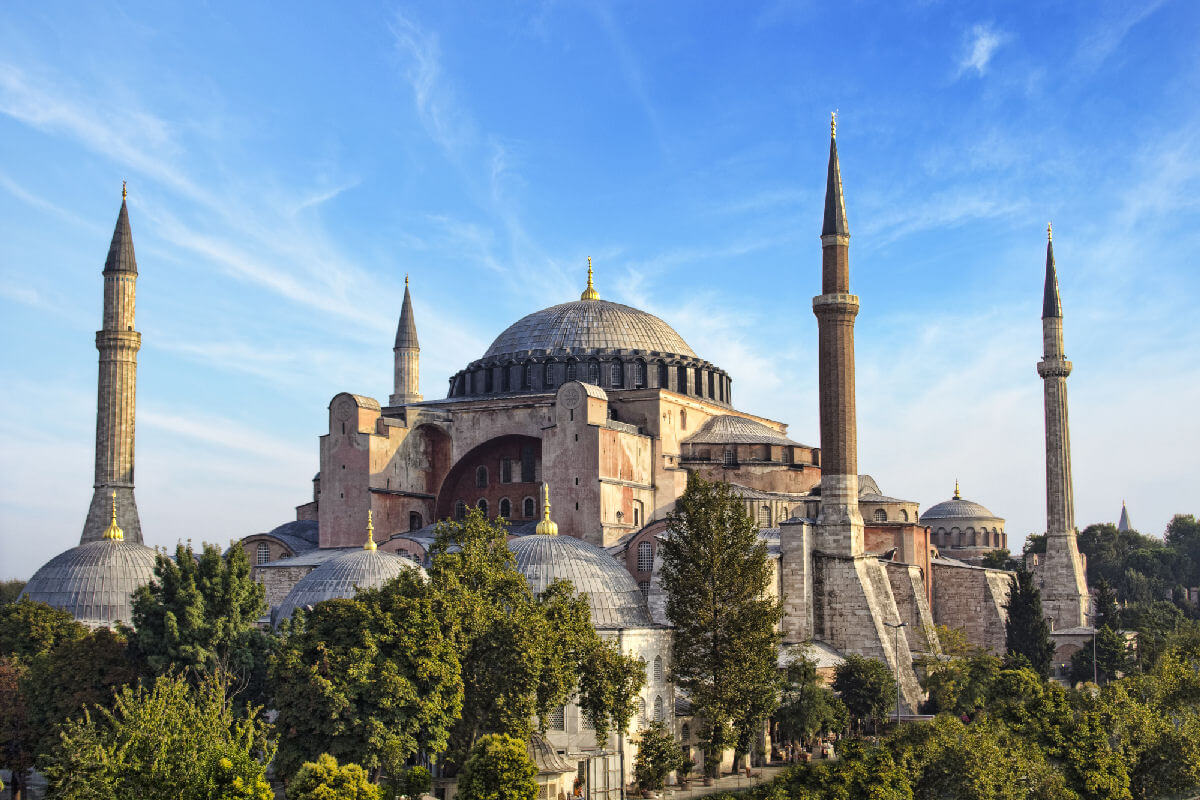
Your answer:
<point x="519" y="478"/>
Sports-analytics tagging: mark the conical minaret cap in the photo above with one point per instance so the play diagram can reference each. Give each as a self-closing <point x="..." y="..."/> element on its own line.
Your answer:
<point x="835" y="205"/>
<point x="406" y="331"/>
<point x="120" y="250"/>
<point x="547" y="527"/>
<point x="1051" y="303"/>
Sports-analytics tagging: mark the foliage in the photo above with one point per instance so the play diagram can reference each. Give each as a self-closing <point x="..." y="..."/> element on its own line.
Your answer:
<point x="16" y="736"/>
<point x="609" y="687"/>
<point x="1027" y="633"/>
<point x="28" y="628"/>
<point x="999" y="559"/>
<point x="1111" y="658"/>
<point x="370" y="679"/>
<point x="10" y="591"/>
<point x="172" y="740"/>
<point x="959" y="684"/>
<point x="415" y="782"/>
<point x="658" y="754"/>
<point x="866" y="686"/>
<point x="498" y="768"/>
<point x="807" y="708"/>
<point x="199" y="614"/>
<point x="325" y="779"/>
<point x="715" y="573"/>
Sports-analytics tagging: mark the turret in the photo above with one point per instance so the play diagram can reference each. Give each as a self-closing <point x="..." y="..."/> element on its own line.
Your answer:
<point x="407" y="354"/>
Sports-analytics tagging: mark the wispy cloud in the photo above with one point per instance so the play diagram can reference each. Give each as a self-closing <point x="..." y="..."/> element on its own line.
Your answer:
<point x="982" y="41"/>
<point x="1112" y="22"/>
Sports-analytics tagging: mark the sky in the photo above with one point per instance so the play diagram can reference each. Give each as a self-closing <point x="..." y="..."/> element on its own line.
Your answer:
<point x="289" y="164"/>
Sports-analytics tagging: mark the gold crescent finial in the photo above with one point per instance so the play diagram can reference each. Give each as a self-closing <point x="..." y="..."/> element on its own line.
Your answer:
<point x="370" y="545"/>
<point x="123" y="190"/>
<point x="957" y="496"/>
<point x="113" y="532"/>
<point x="833" y="124"/>
<point x="590" y="292"/>
<point x="547" y="527"/>
<point x="406" y="280"/>
<point x="1049" y="232"/>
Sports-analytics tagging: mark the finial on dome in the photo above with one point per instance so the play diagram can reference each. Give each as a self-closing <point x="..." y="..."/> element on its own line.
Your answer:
<point x="833" y="124"/>
<point x="113" y="532"/>
<point x="590" y="292"/>
<point x="123" y="191"/>
<point x="547" y="526"/>
<point x="370" y="545"/>
<point x="957" y="496"/>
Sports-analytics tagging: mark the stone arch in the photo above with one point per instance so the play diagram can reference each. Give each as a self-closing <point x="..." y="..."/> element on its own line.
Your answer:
<point x="415" y="521"/>
<point x="904" y="515"/>
<point x="462" y="479"/>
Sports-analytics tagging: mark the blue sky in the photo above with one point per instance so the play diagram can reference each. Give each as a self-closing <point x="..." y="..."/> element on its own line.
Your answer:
<point x="288" y="164"/>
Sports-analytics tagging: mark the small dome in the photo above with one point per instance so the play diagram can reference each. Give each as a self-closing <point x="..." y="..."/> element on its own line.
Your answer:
<point x="590" y="325"/>
<point x="94" y="581"/>
<point x="732" y="429"/>
<point x="612" y="594"/>
<point x="343" y="576"/>
<point x="957" y="508"/>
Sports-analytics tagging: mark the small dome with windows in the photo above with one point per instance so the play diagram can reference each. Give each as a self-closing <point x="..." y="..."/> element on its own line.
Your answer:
<point x="960" y="524"/>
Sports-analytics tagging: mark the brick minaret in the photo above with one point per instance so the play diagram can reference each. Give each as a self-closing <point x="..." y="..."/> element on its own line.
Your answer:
<point x="1061" y="574"/>
<point x="840" y="525"/>
<point x="408" y="356"/>
<point x="118" y="344"/>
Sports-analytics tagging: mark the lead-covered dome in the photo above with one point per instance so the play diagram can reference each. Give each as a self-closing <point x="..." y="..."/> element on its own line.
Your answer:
<point x="95" y="581"/>
<point x="612" y="594"/>
<point x="344" y="576"/>
<point x="586" y="325"/>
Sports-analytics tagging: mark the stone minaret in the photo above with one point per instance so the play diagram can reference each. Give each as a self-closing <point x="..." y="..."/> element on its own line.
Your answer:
<point x="840" y="525"/>
<point x="1061" y="573"/>
<point x="408" y="356"/>
<point x="118" y="344"/>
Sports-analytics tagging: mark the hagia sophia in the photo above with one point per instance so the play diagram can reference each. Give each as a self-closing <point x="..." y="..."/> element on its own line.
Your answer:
<point x="579" y="426"/>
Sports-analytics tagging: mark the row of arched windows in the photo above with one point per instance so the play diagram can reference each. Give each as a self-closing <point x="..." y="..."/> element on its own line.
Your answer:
<point x="969" y="537"/>
<point x="881" y="515"/>
<point x="528" y="508"/>
<point x="545" y="375"/>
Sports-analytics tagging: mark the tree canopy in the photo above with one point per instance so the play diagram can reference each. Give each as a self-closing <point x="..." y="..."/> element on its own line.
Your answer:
<point x="325" y="779"/>
<point x="498" y="768"/>
<point x="1027" y="633"/>
<point x="28" y="628"/>
<point x="866" y="686"/>
<point x="807" y="708"/>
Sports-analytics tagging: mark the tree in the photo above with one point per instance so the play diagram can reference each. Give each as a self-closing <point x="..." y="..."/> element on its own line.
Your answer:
<point x="414" y="783"/>
<point x="324" y="779"/>
<point x="17" y="742"/>
<point x="658" y="754"/>
<point x="1105" y="601"/>
<point x="10" y="591"/>
<point x="716" y="574"/>
<point x="807" y="708"/>
<point x="1111" y="657"/>
<point x="498" y="768"/>
<point x="171" y="740"/>
<point x="866" y="686"/>
<point x="28" y="628"/>
<point x="998" y="559"/>
<point x="371" y="679"/>
<point x="1027" y="633"/>
<point x="200" y="613"/>
<point x="609" y="687"/>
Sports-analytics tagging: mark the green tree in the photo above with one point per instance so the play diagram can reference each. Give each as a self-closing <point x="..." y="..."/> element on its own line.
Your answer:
<point x="1027" y="633"/>
<point x="169" y="741"/>
<point x="200" y="614"/>
<point x="1105" y="602"/>
<point x="867" y="687"/>
<point x="807" y="708"/>
<point x="370" y="679"/>
<point x="1161" y="746"/>
<point x="17" y="739"/>
<point x="716" y="574"/>
<point x="609" y="687"/>
<point x="325" y="779"/>
<point x="999" y="559"/>
<point x="415" y="782"/>
<point x="1111" y="657"/>
<point x="865" y="773"/>
<point x="658" y="754"/>
<point x="28" y="628"/>
<point x="10" y="591"/>
<point x="498" y="768"/>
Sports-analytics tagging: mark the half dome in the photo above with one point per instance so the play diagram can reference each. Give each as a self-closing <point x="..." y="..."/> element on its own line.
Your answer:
<point x="95" y="581"/>
<point x="344" y="576"/>
<point x="587" y="325"/>
<point x="612" y="594"/>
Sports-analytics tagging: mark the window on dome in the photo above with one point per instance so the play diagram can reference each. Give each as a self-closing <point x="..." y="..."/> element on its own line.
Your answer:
<point x="264" y="553"/>
<point x="730" y="457"/>
<point x="505" y="508"/>
<point x="904" y="515"/>
<point x="505" y="377"/>
<point x="681" y="385"/>
<point x="571" y="370"/>
<point x="711" y="392"/>
<point x="414" y="521"/>
<point x="487" y="380"/>
<point x="460" y="510"/>
<point x="548" y="377"/>
<point x="645" y="557"/>
<point x="527" y="375"/>
<point x="617" y="375"/>
<point x="787" y="455"/>
<point x="880" y="515"/>
<point x="639" y="374"/>
<point x="482" y="505"/>
<point x="530" y="508"/>
<point x="481" y="477"/>
<point x="664" y="375"/>
<point x="593" y="376"/>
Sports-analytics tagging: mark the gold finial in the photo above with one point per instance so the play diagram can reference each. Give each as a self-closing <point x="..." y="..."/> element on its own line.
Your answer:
<point x="123" y="191"/>
<point x="833" y="124"/>
<point x="957" y="496"/>
<point x="547" y="526"/>
<point x="590" y="292"/>
<point x="1049" y="232"/>
<point x="370" y="545"/>
<point x="113" y="532"/>
<point x="406" y="280"/>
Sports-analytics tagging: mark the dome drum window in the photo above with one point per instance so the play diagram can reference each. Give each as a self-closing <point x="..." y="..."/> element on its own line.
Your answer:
<point x="263" y="553"/>
<point x="645" y="557"/>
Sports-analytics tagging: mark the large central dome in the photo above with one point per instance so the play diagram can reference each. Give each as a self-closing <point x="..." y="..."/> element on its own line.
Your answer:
<point x="585" y="325"/>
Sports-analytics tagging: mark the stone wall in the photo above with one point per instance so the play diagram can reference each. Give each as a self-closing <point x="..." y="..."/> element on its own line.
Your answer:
<point x="278" y="581"/>
<point x="971" y="599"/>
<point x="908" y="587"/>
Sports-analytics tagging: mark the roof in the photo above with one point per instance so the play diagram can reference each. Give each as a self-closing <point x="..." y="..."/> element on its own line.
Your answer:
<point x="309" y="558"/>
<point x="750" y="493"/>
<point x="120" y="249"/>
<point x="825" y="656"/>
<point x="835" y="205"/>
<point x="1051" y="302"/>
<point x="94" y="581"/>
<point x="612" y="594"/>
<point x="731" y="429"/>
<point x="344" y="576"/>
<point x="1123" y="522"/>
<point x="299" y="536"/>
<point x="871" y="497"/>
<point x="406" y="331"/>
<point x="585" y="325"/>
<point x="548" y="761"/>
<point x="957" y="508"/>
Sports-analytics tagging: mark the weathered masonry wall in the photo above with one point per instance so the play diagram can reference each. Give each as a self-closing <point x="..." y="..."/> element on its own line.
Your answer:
<point x="972" y="599"/>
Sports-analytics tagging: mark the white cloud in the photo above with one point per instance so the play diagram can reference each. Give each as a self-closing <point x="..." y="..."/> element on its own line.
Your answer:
<point x="982" y="42"/>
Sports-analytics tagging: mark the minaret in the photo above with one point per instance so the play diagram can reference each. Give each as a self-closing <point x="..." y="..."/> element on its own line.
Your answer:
<point x="408" y="356"/>
<point x="840" y="525"/>
<point x="1061" y="576"/>
<point x="118" y="344"/>
<point x="1123" y="523"/>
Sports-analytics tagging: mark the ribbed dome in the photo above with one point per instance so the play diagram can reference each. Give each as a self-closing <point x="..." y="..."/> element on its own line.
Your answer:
<point x="94" y="581"/>
<point x="612" y="594"/>
<point x="589" y="325"/>
<point x="957" y="509"/>
<point x="731" y="429"/>
<point x="343" y="576"/>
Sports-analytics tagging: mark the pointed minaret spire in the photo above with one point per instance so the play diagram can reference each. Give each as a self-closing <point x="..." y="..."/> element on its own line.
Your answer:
<point x="835" y="204"/>
<point x="1123" y="523"/>
<point x="116" y="393"/>
<point x="1051" y="302"/>
<point x="407" y="356"/>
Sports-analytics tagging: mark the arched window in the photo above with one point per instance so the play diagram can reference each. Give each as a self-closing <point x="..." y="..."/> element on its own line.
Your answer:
<point x="481" y="477"/>
<point x="681" y="379"/>
<point x="263" y="553"/>
<point x="617" y="375"/>
<point x="548" y="373"/>
<point x="956" y="537"/>
<point x="593" y="373"/>
<point x="904" y="515"/>
<point x="730" y="457"/>
<point x="505" y="508"/>
<point x="639" y="374"/>
<point x="571" y="370"/>
<point x="711" y="391"/>
<point x="658" y="709"/>
<point x="971" y="537"/>
<point x="645" y="562"/>
<point x="642" y="710"/>
<point x="663" y="375"/>
<point x="527" y="375"/>
<point x="482" y="505"/>
<point x="506" y="378"/>
<point x="487" y="380"/>
<point x="685" y="733"/>
<point x="414" y="520"/>
<point x="460" y="510"/>
<point x="682" y="420"/>
<point x="880" y="515"/>
<point x="764" y="516"/>
<point x="530" y="508"/>
<point x="658" y="670"/>
<point x="638" y="514"/>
